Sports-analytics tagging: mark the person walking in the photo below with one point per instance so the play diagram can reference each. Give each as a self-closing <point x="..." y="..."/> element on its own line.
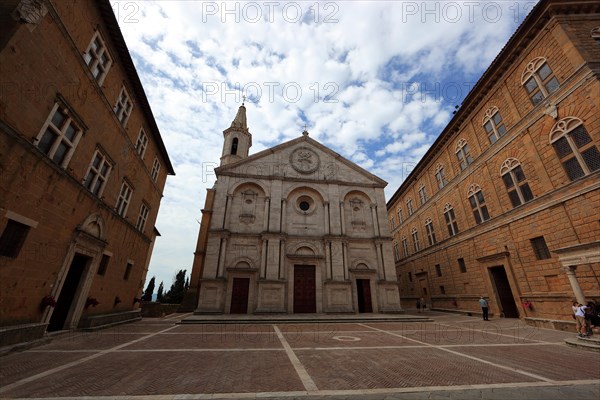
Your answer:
<point x="484" y="308"/>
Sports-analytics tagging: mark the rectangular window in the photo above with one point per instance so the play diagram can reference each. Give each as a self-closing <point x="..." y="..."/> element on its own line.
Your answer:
<point x="97" y="174"/>
<point x="442" y="290"/>
<point x="461" y="265"/>
<point x="142" y="217"/>
<point x="97" y="58"/>
<point x="410" y="276"/>
<point x="142" y="143"/>
<point x="123" y="107"/>
<point x="540" y="248"/>
<point x="438" y="269"/>
<point x="127" y="271"/>
<point x="155" y="169"/>
<point x="59" y="136"/>
<point x="103" y="264"/>
<point x="12" y="238"/>
<point x="409" y="206"/>
<point x="123" y="200"/>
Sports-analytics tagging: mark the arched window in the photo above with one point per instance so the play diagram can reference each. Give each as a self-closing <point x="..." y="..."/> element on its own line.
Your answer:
<point x="539" y="80"/>
<point x="477" y="201"/>
<point x="462" y="153"/>
<point x="404" y="246"/>
<point x="400" y="216"/>
<point x="450" y="220"/>
<point x="422" y="194"/>
<point x="396" y="252"/>
<point x="576" y="151"/>
<point x="415" y="237"/>
<point x="596" y="34"/>
<point x="440" y="176"/>
<point x="515" y="182"/>
<point x="493" y="124"/>
<point x="234" y="146"/>
<point x="409" y="206"/>
<point x="430" y="231"/>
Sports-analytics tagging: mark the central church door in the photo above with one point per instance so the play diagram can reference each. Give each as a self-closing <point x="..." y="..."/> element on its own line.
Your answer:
<point x="239" y="296"/>
<point x="305" y="299"/>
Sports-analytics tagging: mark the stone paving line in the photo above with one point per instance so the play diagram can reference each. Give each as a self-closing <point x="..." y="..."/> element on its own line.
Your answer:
<point x="542" y="387"/>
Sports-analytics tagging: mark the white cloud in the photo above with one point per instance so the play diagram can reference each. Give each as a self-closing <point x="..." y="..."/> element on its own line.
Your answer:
<point x="379" y="65"/>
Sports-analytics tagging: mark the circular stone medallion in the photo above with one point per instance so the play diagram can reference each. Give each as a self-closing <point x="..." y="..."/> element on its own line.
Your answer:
<point x="304" y="160"/>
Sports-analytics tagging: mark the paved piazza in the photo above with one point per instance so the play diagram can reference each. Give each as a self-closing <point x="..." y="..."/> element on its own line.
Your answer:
<point x="452" y="357"/>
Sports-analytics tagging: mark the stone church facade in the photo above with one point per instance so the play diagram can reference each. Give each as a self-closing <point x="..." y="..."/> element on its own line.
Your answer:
<point x="292" y="229"/>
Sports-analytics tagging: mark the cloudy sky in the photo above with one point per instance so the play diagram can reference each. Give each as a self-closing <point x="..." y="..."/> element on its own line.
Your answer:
<point x="376" y="81"/>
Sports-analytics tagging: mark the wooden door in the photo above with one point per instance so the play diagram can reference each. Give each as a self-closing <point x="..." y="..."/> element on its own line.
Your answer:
<point x="305" y="294"/>
<point x="363" y="292"/>
<point x="239" y="296"/>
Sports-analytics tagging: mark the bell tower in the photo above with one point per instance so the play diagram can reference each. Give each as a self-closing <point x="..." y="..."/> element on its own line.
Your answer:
<point x="237" y="139"/>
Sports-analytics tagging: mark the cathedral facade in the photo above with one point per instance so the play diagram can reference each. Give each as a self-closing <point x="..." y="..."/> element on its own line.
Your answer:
<point x="295" y="228"/>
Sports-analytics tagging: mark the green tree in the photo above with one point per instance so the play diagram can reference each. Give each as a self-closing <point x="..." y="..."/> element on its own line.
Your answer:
<point x="159" y="295"/>
<point x="175" y="294"/>
<point x="149" y="290"/>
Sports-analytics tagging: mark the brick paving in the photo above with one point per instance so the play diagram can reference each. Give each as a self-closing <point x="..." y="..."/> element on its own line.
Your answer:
<point x="452" y="357"/>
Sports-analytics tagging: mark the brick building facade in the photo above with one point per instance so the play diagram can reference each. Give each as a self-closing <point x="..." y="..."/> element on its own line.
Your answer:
<point x="505" y="203"/>
<point x="82" y="170"/>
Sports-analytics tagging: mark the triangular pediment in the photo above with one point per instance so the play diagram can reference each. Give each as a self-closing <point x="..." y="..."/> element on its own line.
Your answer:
<point x="301" y="158"/>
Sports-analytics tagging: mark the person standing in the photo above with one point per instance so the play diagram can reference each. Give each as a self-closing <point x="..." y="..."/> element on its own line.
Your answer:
<point x="484" y="308"/>
<point x="580" y="319"/>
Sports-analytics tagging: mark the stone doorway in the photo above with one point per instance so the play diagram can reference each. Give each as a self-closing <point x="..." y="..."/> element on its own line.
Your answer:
<point x="305" y="299"/>
<point x="363" y="294"/>
<point x="239" y="296"/>
<point x="504" y="292"/>
<point x="65" y="301"/>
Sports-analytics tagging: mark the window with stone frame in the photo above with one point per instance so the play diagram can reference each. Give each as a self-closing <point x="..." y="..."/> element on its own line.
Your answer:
<point x="142" y="218"/>
<point x="141" y="143"/>
<point x="493" y="124"/>
<point x="415" y="237"/>
<point x="12" y="238"/>
<point x="405" y="246"/>
<point x="392" y="223"/>
<point x="400" y="216"/>
<point x="463" y="154"/>
<point x="422" y="195"/>
<point x="595" y="33"/>
<point x="396" y="252"/>
<point x="450" y="220"/>
<point x="124" y="199"/>
<point x="430" y="231"/>
<point x="97" y="173"/>
<point x="440" y="176"/>
<point x="515" y="182"/>
<point x="539" y="80"/>
<point x="97" y="58"/>
<point x="409" y="206"/>
<point x="478" y="206"/>
<point x="103" y="266"/>
<point x="574" y="147"/>
<point x="461" y="265"/>
<point x="155" y="169"/>
<point x="123" y="107"/>
<point x="59" y="135"/>
<point x="540" y="248"/>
